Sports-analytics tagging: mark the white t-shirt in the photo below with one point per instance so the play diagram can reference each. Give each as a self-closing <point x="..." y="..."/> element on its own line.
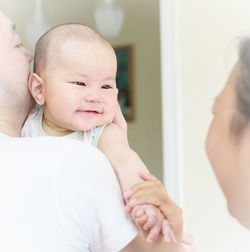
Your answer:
<point x="59" y="195"/>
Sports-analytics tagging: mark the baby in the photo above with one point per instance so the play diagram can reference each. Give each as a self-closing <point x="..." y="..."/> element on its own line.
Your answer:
<point x="74" y="84"/>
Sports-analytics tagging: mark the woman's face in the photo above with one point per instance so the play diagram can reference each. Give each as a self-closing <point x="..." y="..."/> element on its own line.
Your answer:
<point x="230" y="158"/>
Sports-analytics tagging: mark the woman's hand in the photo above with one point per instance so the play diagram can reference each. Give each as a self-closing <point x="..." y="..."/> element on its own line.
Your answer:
<point x="151" y="191"/>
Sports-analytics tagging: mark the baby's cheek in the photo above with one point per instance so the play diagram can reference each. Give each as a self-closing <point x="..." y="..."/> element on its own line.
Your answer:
<point x="111" y="109"/>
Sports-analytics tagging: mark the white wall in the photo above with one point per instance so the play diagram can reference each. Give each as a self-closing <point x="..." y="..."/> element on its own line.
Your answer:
<point x="208" y="33"/>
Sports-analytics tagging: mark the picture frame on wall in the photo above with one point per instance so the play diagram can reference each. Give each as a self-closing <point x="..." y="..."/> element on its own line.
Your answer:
<point x="124" y="80"/>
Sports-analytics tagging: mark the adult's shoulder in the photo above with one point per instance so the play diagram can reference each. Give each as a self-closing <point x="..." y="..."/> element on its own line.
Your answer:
<point x="89" y="163"/>
<point x="55" y="149"/>
<point x="85" y="155"/>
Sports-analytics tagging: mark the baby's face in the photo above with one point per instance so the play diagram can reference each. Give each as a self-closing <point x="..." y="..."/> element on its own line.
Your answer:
<point x="80" y="89"/>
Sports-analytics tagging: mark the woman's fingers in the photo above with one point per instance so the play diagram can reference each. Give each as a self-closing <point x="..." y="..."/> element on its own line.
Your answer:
<point x="147" y="192"/>
<point x="148" y="196"/>
<point x="187" y="238"/>
<point x="167" y="232"/>
<point x="145" y="175"/>
<point x="142" y="185"/>
<point x="189" y="248"/>
<point x="175" y="218"/>
<point x="154" y="222"/>
<point x="151" y="186"/>
<point x="135" y="202"/>
<point x="154" y="232"/>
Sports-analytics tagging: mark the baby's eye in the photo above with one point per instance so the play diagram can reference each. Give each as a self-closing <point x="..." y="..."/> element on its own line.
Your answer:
<point x="79" y="83"/>
<point x="106" y="87"/>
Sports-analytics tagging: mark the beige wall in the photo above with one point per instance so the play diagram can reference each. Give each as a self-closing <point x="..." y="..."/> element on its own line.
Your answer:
<point x="208" y="40"/>
<point x="141" y="28"/>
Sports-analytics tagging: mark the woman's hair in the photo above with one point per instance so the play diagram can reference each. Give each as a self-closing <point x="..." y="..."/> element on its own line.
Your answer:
<point x="242" y="88"/>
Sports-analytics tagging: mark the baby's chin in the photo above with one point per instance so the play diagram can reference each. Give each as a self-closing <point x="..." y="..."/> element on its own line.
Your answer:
<point x="92" y="126"/>
<point x="91" y="122"/>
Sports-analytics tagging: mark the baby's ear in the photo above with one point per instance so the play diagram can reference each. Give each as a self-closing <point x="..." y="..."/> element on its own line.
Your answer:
<point x="36" y="86"/>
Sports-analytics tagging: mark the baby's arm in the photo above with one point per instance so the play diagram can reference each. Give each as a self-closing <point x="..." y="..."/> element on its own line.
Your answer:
<point x="124" y="160"/>
<point x="127" y="165"/>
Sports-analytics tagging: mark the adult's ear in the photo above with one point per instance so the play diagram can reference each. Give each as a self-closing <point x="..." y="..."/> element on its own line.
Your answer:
<point x="36" y="87"/>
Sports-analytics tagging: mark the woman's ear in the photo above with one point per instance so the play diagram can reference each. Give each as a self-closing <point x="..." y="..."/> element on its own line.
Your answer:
<point x="36" y="87"/>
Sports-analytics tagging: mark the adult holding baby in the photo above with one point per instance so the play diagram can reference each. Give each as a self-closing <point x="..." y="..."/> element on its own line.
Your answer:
<point x="51" y="189"/>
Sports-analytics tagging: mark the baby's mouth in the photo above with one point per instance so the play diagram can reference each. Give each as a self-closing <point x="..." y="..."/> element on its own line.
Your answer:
<point x="88" y="112"/>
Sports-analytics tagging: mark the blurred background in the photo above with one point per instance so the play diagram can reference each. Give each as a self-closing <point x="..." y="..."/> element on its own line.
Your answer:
<point x="206" y="37"/>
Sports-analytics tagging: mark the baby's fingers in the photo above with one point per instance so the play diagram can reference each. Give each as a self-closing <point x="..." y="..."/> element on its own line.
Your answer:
<point x="187" y="238"/>
<point x="141" y="221"/>
<point x="141" y="201"/>
<point x="137" y="211"/>
<point x="153" y="217"/>
<point x="139" y="216"/>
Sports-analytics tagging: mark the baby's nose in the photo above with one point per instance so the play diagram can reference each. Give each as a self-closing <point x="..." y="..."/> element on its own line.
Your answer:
<point x="93" y="97"/>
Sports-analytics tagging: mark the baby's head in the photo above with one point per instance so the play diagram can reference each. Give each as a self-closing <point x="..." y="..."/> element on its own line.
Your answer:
<point x="74" y="78"/>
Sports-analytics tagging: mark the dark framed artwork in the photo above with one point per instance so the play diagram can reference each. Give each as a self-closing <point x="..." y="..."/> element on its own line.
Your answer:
<point x="124" y="80"/>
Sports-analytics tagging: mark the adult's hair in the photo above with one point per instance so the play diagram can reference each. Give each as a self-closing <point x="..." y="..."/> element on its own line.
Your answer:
<point x="242" y="88"/>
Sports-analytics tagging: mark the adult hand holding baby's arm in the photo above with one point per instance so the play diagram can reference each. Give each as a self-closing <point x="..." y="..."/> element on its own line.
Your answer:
<point x="151" y="191"/>
<point x="119" y="130"/>
<point x="127" y="165"/>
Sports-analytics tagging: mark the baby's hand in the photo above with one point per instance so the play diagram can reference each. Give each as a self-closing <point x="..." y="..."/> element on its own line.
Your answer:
<point x="152" y="192"/>
<point x="150" y="218"/>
